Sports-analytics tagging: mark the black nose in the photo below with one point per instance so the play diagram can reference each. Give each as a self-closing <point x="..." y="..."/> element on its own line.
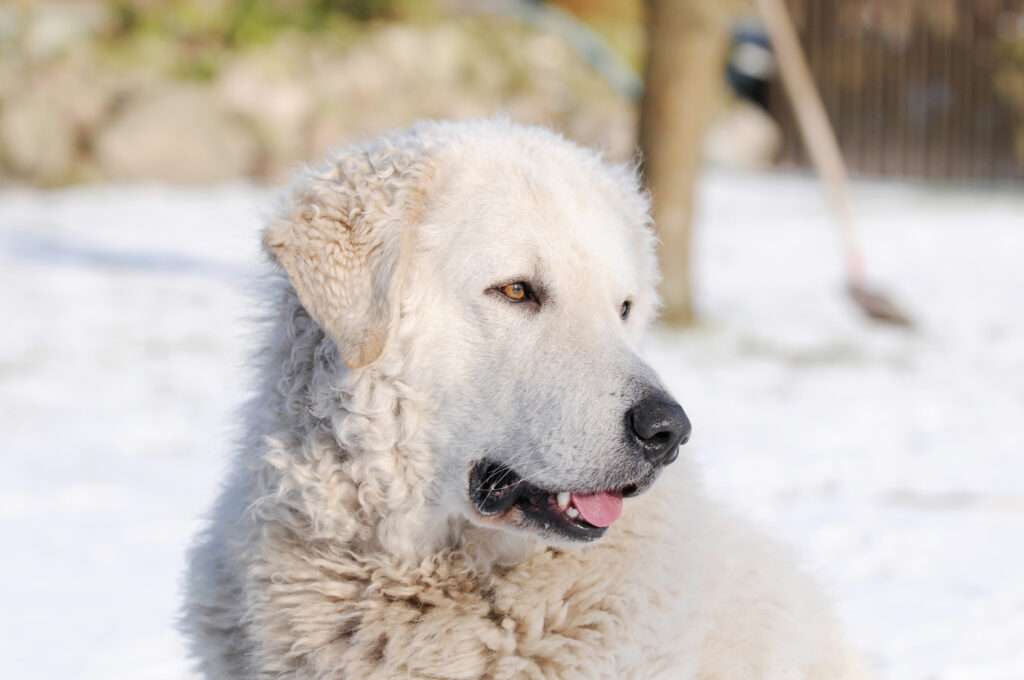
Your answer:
<point x="660" y="426"/>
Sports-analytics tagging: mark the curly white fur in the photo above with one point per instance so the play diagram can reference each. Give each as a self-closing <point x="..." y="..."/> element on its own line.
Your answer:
<point x="337" y="549"/>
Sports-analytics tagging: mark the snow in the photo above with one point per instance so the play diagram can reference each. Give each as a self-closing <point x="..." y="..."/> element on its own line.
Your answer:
<point x="892" y="460"/>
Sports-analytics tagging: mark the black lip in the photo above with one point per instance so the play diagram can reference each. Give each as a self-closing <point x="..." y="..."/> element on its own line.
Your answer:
<point x="495" y="489"/>
<point x="548" y="518"/>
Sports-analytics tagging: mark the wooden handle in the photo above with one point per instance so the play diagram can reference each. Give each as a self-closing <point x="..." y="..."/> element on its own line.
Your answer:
<point x="814" y="125"/>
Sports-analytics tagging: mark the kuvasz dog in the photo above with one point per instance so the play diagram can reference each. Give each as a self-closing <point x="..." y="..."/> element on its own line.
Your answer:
<point x="453" y="456"/>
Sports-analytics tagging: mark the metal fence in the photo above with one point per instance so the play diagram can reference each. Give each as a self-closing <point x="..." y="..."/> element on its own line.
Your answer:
<point x="925" y="88"/>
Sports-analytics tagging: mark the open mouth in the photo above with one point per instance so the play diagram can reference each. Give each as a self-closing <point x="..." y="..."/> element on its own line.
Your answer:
<point x="495" y="489"/>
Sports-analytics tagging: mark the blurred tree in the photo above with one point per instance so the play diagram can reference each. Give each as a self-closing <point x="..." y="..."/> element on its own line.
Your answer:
<point x="687" y="47"/>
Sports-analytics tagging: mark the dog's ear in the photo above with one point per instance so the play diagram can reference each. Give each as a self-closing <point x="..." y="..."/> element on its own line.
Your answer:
<point x="341" y="238"/>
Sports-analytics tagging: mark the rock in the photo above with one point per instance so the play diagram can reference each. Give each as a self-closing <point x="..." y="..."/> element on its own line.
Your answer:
<point x="53" y="28"/>
<point x="272" y="97"/>
<point x="177" y="134"/>
<point x="743" y="137"/>
<point x="37" y="143"/>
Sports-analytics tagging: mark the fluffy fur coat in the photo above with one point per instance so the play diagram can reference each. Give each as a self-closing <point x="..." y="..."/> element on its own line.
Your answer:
<point x="334" y="550"/>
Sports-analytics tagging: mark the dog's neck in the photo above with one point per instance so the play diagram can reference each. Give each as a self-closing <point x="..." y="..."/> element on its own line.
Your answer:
<point x="343" y="451"/>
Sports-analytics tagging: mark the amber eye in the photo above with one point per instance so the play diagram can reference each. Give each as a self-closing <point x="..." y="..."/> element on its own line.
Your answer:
<point x="624" y="310"/>
<point x="517" y="292"/>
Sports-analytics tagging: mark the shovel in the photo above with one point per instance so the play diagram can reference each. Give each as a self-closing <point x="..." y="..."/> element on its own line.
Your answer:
<point x="823" y="148"/>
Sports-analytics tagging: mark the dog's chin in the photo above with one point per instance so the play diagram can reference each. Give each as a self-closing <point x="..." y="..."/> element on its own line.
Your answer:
<point x="500" y="498"/>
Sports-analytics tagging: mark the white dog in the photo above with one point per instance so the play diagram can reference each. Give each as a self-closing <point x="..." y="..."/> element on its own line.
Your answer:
<point x="452" y="460"/>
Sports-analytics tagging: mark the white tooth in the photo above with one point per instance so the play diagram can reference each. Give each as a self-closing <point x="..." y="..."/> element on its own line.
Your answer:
<point x="573" y="512"/>
<point x="563" y="499"/>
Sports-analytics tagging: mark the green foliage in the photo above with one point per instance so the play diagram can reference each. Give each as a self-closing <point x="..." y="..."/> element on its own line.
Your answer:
<point x="240" y="22"/>
<point x="254" y="21"/>
<point x="190" y="38"/>
<point x="361" y="10"/>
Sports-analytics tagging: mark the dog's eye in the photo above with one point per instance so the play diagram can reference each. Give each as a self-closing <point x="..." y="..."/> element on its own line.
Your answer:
<point x="624" y="309"/>
<point x="516" y="292"/>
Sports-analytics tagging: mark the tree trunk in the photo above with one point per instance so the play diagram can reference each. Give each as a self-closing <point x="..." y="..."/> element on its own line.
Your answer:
<point x="687" y="46"/>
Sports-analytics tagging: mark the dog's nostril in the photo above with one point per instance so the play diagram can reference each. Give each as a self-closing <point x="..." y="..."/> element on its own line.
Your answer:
<point x="660" y="426"/>
<point x="658" y="438"/>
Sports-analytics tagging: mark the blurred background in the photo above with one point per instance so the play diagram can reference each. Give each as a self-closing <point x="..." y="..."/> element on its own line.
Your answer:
<point x="140" y="144"/>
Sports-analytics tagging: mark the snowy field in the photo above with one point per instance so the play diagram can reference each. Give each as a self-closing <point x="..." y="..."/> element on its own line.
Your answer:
<point x="892" y="460"/>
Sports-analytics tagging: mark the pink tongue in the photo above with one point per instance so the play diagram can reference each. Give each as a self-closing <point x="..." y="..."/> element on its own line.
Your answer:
<point x="600" y="509"/>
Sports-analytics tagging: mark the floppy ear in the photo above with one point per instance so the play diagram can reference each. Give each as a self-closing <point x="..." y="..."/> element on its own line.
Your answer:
<point x="340" y="238"/>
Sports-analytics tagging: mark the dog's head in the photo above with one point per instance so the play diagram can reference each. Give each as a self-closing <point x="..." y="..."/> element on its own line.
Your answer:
<point x="514" y="274"/>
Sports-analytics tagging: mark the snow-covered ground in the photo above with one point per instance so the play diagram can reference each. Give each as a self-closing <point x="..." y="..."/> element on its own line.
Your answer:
<point x="892" y="460"/>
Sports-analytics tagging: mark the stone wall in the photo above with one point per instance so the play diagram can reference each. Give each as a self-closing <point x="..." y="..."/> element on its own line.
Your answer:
<point x="71" y="111"/>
